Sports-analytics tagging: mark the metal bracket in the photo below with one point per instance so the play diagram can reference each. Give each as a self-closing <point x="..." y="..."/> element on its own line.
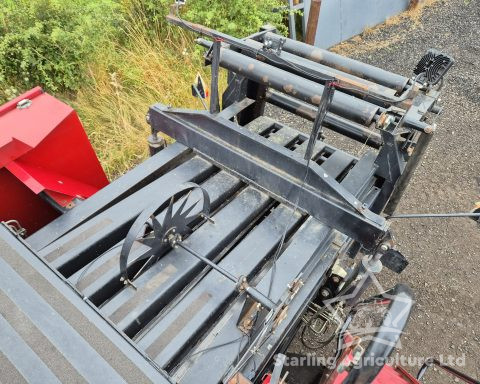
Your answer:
<point x="277" y="170"/>
<point x="275" y="46"/>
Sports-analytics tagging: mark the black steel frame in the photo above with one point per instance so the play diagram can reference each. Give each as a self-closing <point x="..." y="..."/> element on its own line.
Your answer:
<point x="382" y="110"/>
<point x="262" y="190"/>
<point x="275" y="169"/>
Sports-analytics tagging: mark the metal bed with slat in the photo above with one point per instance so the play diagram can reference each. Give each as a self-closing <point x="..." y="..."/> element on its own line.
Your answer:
<point x="261" y="212"/>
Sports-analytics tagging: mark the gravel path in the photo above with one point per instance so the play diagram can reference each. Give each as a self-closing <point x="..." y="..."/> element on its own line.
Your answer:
<point x="444" y="255"/>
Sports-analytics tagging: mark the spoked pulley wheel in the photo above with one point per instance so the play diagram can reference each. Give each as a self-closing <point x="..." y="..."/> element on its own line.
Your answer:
<point x="157" y="230"/>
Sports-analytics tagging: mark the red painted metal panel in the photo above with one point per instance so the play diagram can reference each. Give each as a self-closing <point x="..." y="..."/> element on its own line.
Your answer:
<point x="44" y="146"/>
<point x="20" y="203"/>
<point x="388" y="375"/>
<point x="394" y="375"/>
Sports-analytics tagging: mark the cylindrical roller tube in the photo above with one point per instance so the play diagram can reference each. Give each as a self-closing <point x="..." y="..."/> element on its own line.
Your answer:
<point x="344" y="105"/>
<point x="342" y="63"/>
<point x="335" y="123"/>
<point x="357" y="85"/>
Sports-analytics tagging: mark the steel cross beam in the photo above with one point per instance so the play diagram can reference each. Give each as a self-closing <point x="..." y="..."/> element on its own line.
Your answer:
<point x="274" y="169"/>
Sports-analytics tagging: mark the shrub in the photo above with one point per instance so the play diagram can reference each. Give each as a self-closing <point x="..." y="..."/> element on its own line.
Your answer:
<point x="235" y="17"/>
<point x="50" y="42"/>
<point x="112" y="59"/>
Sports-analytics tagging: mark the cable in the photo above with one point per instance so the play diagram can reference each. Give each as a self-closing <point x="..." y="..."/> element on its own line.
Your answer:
<point x="338" y="85"/>
<point x="432" y="215"/>
<point x="308" y="325"/>
<point x="380" y="98"/>
<point x="287" y="225"/>
<point x="217" y="346"/>
<point x="271" y="57"/>
<point x="323" y="106"/>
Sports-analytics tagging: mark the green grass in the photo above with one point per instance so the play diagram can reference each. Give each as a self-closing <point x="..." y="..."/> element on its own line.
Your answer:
<point x="113" y="107"/>
<point x="112" y="59"/>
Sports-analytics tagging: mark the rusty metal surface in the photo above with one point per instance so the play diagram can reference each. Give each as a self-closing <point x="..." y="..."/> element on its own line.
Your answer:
<point x="344" y="64"/>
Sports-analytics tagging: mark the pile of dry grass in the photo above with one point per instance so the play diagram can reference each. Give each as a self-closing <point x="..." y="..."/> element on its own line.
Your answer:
<point x="125" y="83"/>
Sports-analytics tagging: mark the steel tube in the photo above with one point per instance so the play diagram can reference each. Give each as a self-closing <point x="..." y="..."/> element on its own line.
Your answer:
<point x="318" y="55"/>
<point x="344" y="64"/>
<point x="253" y="292"/>
<point x="434" y="215"/>
<point x="335" y="123"/>
<point x="353" y="82"/>
<point x="209" y="262"/>
<point x="260" y="298"/>
<point x="344" y="105"/>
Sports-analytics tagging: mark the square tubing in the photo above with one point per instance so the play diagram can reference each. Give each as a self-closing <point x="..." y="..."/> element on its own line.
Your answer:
<point x="274" y="169"/>
<point x="214" y="100"/>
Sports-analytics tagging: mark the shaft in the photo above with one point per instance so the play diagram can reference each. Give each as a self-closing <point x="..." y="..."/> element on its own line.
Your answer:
<point x="253" y="292"/>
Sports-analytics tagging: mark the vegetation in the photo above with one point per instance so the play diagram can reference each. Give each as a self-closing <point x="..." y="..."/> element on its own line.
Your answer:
<point x="111" y="59"/>
<point x="50" y="42"/>
<point x="235" y="17"/>
<point x="125" y="83"/>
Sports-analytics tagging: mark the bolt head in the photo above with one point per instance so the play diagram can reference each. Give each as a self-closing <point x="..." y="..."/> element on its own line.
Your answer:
<point x="25" y="103"/>
<point x="324" y="292"/>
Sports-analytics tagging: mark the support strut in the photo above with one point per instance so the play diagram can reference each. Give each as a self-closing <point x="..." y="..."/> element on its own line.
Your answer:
<point x="241" y="283"/>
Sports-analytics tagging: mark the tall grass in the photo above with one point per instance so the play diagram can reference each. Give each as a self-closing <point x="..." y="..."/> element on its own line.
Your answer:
<point x="152" y="67"/>
<point x="112" y="59"/>
<point x="153" y="62"/>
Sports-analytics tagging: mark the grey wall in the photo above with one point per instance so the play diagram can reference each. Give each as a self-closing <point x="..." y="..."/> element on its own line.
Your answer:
<point x="342" y="19"/>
